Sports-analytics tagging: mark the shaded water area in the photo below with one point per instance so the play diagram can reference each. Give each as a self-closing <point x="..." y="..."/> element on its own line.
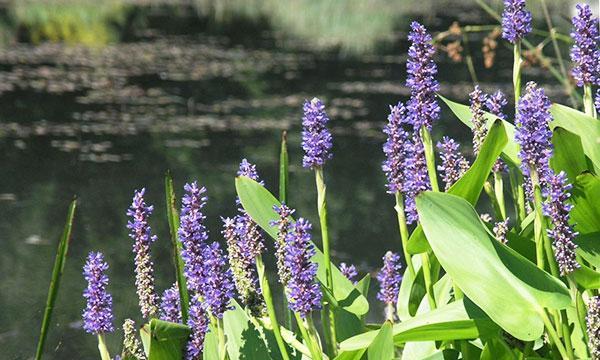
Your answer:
<point x="100" y="122"/>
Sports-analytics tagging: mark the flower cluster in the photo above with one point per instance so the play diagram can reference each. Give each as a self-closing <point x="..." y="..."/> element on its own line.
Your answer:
<point x="423" y="108"/>
<point x="495" y="104"/>
<point x="389" y="278"/>
<point x="557" y="210"/>
<point x="283" y="228"/>
<point x="144" y="267"/>
<point x="417" y="178"/>
<point x="395" y="148"/>
<point x="516" y="20"/>
<point x="198" y="323"/>
<point x="501" y="230"/>
<point x="303" y="293"/>
<point x="477" y="99"/>
<point x="97" y="315"/>
<point x="316" y="138"/>
<point x="585" y="53"/>
<point x="593" y="326"/>
<point x="217" y="284"/>
<point x="454" y="164"/>
<point x="131" y="345"/>
<point x="597" y="101"/>
<point x="349" y="271"/>
<point x="533" y="132"/>
<point x="170" y="305"/>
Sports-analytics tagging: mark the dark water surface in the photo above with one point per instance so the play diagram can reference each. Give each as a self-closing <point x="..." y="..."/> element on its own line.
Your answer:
<point x="98" y="123"/>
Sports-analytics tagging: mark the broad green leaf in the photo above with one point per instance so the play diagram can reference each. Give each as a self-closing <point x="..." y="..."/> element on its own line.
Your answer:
<point x="351" y="355"/>
<point x="586" y="216"/>
<point x="164" y="340"/>
<point x="446" y="354"/>
<point x="244" y="341"/>
<point x="382" y="347"/>
<point x="463" y="113"/>
<point x="469" y="186"/>
<point x="455" y="321"/>
<point x="587" y="277"/>
<point x="211" y="344"/>
<point x="412" y="290"/>
<point x="580" y="124"/>
<point x="568" y="153"/>
<point x="57" y="271"/>
<point x="259" y="202"/>
<point x="497" y="349"/>
<point x="509" y="288"/>
<point x="418" y="350"/>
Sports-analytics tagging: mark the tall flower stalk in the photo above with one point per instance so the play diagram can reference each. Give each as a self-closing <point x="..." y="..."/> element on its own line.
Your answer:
<point x="317" y="143"/>
<point x="170" y="305"/>
<point x="516" y="24"/>
<point x="389" y="278"/>
<point x="132" y="348"/>
<point x="585" y="54"/>
<point x="144" y="267"/>
<point x="97" y="315"/>
<point x="495" y="104"/>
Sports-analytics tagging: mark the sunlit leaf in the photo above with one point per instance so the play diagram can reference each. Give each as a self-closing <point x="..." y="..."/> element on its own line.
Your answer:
<point x="382" y="347"/>
<point x="164" y="340"/>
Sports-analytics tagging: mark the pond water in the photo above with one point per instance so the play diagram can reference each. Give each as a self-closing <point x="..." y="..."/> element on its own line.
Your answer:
<point x="97" y="123"/>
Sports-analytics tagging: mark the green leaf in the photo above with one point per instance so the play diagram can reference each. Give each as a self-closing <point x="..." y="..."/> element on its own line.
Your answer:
<point x="382" y="347"/>
<point x="463" y="113"/>
<point x="164" y="340"/>
<point x="350" y="355"/>
<point x="580" y="124"/>
<point x="412" y="290"/>
<point x="568" y="153"/>
<point x="259" y="202"/>
<point x="455" y="321"/>
<point x="510" y="289"/>
<point x="211" y="344"/>
<point x="244" y="341"/>
<point x="587" y="277"/>
<point x="57" y="271"/>
<point x="497" y="349"/>
<point x="586" y="216"/>
<point x="469" y="186"/>
<point x="283" y="168"/>
<point x="173" y="219"/>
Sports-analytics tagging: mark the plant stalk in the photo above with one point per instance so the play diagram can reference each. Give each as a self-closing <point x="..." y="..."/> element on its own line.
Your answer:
<point x="430" y="158"/>
<point x="499" y="192"/>
<point x="588" y="101"/>
<point x="221" y="339"/>
<point x="283" y="198"/>
<point x="554" y="336"/>
<point x="104" y="354"/>
<point x="428" y="281"/>
<point x="404" y="232"/>
<point x="517" y="71"/>
<point x="266" y="291"/>
<point x="322" y="210"/>
<point x="315" y="352"/>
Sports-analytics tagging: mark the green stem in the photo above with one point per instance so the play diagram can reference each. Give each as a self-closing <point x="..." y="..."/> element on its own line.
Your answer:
<point x="322" y="209"/>
<point x="499" y="191"/>
<point x="554" y="336"/>
<point x="540" y="226"/>
<point x="489" y="190"/>
<point x="428" y="281"/>
<point x="518" y="195"/>
<point x="404" y="232"/>
<point x="588" y="101"/>
<point x="266" y="291"/>
<point x="517" y="71"/>
<point x="221" y="339"/>
<point x="390" y="311"/>
<point x="283" y="190"/>
<point x="430" y="158"/>
<point x="104" y="354"/>
<point x="307" y="335"/>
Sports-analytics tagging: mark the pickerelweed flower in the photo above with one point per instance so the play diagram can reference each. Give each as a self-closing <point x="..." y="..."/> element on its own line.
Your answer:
<point x="249" y="170"/>
<point x="533" y="132"/>
<point x="389" y="278"/>
<point x="144" y="267"/>
<point x="495" y="104"/>
<point x="316" y="138"/>
<point x="217" y="283"/>
<point x="97" y="315"/>
<point x="477" y="99"/>
<point x="131" y="345"/>
<point x="593" y="326"/>
<point x="423" y="108"/>
<point x="597" y="102"/>
<point x="501" y="230"/>
<point x="242" y="235"/>
<point x="303" y="293"/>
<point x="454" y="164"/>
<point x="170" y="305"/>
<point x="349" y="271"/>
<point x="283" y="228"/>
<point x="198" y="323"/>
<point x="516" y="20"/>
<point x="585" y="53"/>
<point x="395" y="148"/>
<point x="417" y="178"/>
<point x="556" y="208"/>
<point x="193" y="235"/>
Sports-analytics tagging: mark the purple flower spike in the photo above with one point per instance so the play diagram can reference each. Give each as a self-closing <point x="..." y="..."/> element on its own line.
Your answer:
<point x="217" y="285"/>
<point x="558" y="211"/>
<point x="97" y="316"/>
<point x="585" y="53"/>
<point x="349" y="271"/>
<point x="453" y="165"/>
<point x="144" y="267"/>
<point x="303" y="293"/>
<point x="170" y="305"/>
<point x="283" y="228"/>
<point x="593" y="326"/>
<point x="193" y="235"/>
<point x="597" y="102"/>
<point x="477" y="99"/>
<point x="495" y="104"/>
<point x="249" y="170"/>
<point x="417" y="179"/>
<point x="198" y="323"/>
<point x="533" y="132"/>
<point x="316" y="138"/>
<point x="423" y="108"/>
<point x="516" y="20"/>
<point x="395" y="148"/>
<point x="389" y="278"/>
